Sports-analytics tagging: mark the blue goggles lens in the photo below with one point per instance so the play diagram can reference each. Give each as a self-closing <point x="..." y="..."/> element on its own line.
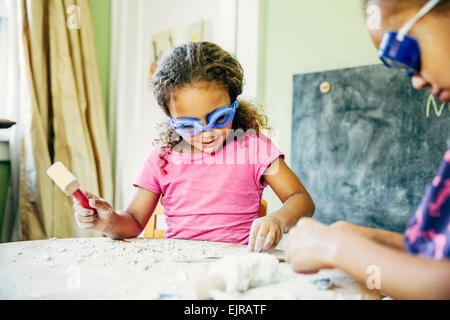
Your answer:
<point x="218" y="119"/>
<point x="403" y="55"/>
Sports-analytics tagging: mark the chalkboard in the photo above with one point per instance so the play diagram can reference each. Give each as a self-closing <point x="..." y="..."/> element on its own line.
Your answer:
<point x="367" y="148"/>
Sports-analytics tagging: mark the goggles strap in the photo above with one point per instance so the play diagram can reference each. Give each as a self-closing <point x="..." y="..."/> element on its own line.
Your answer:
<point x="408" y="25"/>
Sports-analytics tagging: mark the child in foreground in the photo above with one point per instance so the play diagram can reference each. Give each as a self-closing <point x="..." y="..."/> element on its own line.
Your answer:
<point x="211" y="164"/>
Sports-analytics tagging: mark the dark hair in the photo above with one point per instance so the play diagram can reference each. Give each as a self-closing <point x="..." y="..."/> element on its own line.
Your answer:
<point x="393" y="7"/>
<point x="192" y="62"/>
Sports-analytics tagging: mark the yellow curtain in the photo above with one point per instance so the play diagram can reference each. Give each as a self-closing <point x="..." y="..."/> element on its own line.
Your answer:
<point x="67" y="121"/>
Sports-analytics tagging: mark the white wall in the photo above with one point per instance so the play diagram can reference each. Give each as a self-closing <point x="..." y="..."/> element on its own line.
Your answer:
<point x="248" y="44"/>
<point x="132" y="105"/>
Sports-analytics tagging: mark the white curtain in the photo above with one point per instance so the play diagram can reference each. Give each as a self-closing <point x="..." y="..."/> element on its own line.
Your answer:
<point x="52" y="79"/>
<point x="15" y="97"/>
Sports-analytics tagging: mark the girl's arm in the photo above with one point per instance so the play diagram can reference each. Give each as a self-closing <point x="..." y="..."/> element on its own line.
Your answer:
<point x="391" y="239"/>
<point x="130" y="222"/>
<point x="312" y="246"/>
<point x="297" y="202"/>
<point x="127" y="223"/>
<point x="266" y="233"/>
<point x="401" y="276"/>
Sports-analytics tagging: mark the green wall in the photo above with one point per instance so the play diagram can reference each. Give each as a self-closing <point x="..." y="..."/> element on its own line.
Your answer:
<point x="301" y="36"/>
<point x="4" y="180"/>
<point x="101" y="19"/>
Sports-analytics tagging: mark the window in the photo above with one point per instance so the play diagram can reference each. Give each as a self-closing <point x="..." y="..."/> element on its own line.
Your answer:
<point x="4" y="40"/>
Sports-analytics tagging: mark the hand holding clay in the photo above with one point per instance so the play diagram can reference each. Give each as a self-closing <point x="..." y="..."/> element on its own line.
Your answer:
<point x="89" y="219"/>
<point x="265" y="233"/>
<point x="310" y="246"/>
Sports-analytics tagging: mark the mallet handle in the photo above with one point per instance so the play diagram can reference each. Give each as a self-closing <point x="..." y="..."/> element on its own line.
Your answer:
<point x="81" y="197"/>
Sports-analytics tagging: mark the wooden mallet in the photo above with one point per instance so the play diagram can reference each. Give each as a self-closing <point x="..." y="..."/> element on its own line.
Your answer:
<point x="67" y="182"/>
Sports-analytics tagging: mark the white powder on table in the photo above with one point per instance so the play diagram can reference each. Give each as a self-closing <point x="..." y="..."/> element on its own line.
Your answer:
<point x="101" y="268"/>
<point x="246" y="270"/>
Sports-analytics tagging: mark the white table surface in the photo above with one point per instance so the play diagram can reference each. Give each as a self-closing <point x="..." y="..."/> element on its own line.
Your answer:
<point x="102" y="268"/>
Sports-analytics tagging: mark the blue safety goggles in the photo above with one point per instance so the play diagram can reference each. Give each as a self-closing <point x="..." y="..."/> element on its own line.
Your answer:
<point x="400" y="51"/>
<point x="217" y="119"/>
<point x="404" y="55"/>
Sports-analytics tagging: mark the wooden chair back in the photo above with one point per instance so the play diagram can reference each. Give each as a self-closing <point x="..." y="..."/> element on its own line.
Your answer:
<point x="155" y="226"/>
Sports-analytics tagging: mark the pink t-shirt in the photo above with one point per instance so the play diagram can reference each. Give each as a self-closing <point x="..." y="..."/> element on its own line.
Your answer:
<point x="212" y="197"/>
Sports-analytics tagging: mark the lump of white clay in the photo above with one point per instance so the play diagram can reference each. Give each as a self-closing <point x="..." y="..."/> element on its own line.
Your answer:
<point x="246" y="270"/>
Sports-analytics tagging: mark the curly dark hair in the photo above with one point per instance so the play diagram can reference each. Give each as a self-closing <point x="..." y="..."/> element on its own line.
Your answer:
<point x="392" y="7"/>
<point x="193" y="62"/>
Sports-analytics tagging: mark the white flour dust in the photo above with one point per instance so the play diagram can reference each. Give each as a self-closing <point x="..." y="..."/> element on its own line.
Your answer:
<point x="102" y="268"/>
<point x="246" y="270"/>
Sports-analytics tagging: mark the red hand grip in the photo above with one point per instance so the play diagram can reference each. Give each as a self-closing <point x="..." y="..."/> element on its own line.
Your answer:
<point x="81" y="197"/>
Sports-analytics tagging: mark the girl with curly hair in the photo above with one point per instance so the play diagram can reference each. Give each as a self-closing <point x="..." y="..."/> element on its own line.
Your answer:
<point x="211" y="162"/>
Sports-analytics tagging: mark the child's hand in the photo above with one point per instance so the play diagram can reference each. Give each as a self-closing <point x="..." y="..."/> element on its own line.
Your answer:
<point x="89" y="219"/>
<point x="310" y="246"/>
<point x="265" y="233"/>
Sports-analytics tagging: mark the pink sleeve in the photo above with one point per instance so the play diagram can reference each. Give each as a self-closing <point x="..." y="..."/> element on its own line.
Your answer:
<point x="268" y="152"/>
<point x="148" y="177"/>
